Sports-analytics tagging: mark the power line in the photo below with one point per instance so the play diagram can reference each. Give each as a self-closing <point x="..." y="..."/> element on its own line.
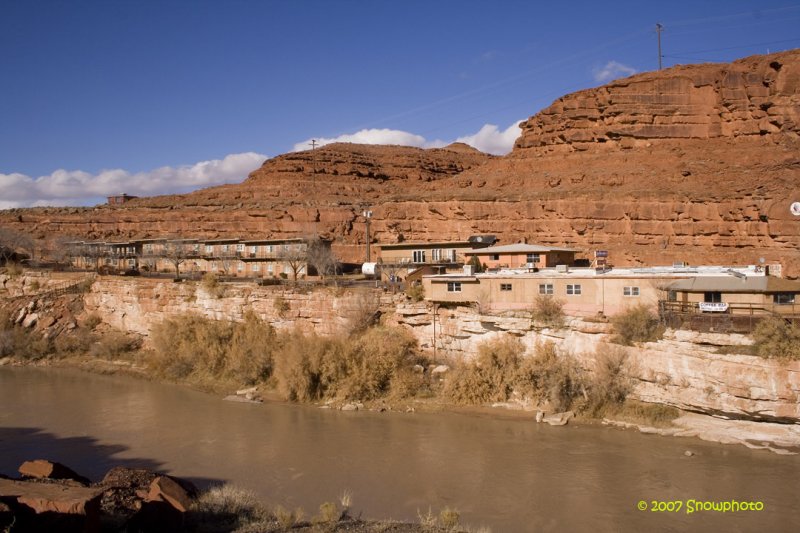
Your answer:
<point x="738" y="47"/>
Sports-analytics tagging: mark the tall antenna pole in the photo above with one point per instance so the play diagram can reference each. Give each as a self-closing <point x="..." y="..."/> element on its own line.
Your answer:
<point x="659" y="29"/>
<point x="313" y="144"/>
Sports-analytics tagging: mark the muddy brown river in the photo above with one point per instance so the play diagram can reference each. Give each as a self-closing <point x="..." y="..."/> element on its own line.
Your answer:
<point x="504" y="474"/>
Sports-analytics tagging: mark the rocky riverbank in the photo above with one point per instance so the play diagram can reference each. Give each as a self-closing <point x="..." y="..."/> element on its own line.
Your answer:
<point x="49" y="496"/>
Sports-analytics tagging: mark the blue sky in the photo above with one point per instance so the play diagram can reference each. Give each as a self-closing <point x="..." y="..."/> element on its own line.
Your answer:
<point x="97" y="97"/>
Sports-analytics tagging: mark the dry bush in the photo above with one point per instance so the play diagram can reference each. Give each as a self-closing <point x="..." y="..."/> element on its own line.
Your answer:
<point x="299" y="362"/>
<point x="328" y="513"/>
<point x="372" y="365"/>
<point x="288" y="519"/>
<point x="636" y="324"/>
<point x="114" y="345"/>
<point x="228" y="508"/>
<point x="449" y="518"/>
<point x="551" y="377"/>
<point x="416" y="292"/>
<point x="25" y="344"/>
<point x="548" y="310"/>
<point x="280" y="305"/>
<point x="363" y="313"/>
<point x="92" y="321"/>
<point x="490" y="376"/>
<point x="653" y="414"/>
<point x="610" y="382"/>
<point x="776" y="338"/>
<point x="212" y="285"/>
<point x="14" y="270"/>
<point x="191" y="345"/>
<point x="76" y="342"/>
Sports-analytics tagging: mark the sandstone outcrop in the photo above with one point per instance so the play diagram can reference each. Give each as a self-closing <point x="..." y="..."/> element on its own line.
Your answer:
<point x="694" y="163"/>
<point x="126" y="499"/>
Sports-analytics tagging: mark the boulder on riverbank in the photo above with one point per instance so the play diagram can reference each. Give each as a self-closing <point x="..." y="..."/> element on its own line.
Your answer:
<point x="52" y="497"/>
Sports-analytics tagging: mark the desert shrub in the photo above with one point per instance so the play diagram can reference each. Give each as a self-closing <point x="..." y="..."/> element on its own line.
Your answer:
<point x="362" y="313"/>
<point x="548" y="310"/>
<point x="212" y="285"/>
<point x="76" y="342"/>
<point x="490" y="377"/>
<point x="14" y="270"/>
<point x="449" y="518"/>
<point x="299" y="361"/>
<point x="416" y="292"/>
<point x="371" y="365"/>
<point x="653" y="414"/>
<point x="25" y="343"/>
<point x="35" y="285"/>
<point x="636" y="324"/>
<point x="328" y="513"/>
<point x="776" y="338"/>
<point x="200" y="347"/>
<point x="92" y="321"/>
<point x="288" y="519"/>
<point x="550" y="377"/>
<point x="280" y="305"/>
<point x="610" y="383"/>
<point x="228" y="508"/>
<point x="114" y="345"/>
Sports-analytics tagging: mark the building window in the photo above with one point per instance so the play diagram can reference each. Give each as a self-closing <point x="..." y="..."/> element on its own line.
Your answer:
<point x="712" y="297"/>
<point x="546" y="288"/>
<point x="505" y="286"/>
<point x="672" y="296"/>
<point x="630" y="291"/>
<point x="209" y="249"/>
<point x="269" y="268"/>
<point x="418" y="256"/>
<point x="256" y="267"/>
<point x="494" y="257"/>
<point x="268" y="248"/>
<point x="239" y="266"/>
<point x="148" y="248"/>
<point x="436" y="254"/>
<point x="532" y="258"/>
<point x="453" y="286"/>
<point x="573" y="289"/>
<point x="783" y="298"/>
<point x="253" y="249"/>
<point x="240" y="247"/>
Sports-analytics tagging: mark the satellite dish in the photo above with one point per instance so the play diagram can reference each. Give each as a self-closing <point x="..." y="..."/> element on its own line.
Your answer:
<point x="795" y="209"/>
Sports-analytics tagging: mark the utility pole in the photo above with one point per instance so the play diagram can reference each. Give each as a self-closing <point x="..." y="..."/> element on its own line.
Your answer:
<point x="313" y="144"/>
<point x="659" y="29"/>
<point x="367" y="217"/>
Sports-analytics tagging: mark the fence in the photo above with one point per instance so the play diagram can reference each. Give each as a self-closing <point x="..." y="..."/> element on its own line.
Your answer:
<point x="737" y="318"/>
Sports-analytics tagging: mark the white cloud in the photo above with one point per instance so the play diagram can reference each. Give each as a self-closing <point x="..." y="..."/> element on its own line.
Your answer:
<point x="611" y="71"/>
<point x="370" y="136"/>
<point x="76" y="187"/>
<point x="491" y="140"/>
<point x="488" y="139"/>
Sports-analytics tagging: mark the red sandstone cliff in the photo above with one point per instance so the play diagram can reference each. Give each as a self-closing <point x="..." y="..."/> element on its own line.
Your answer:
<point x="696" y="163"/>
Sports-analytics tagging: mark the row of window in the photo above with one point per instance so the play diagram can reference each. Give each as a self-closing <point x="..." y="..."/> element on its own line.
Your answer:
<point x="209" y="248"/>
<point x="437" y="254"/>
<point x="545" y="288"/>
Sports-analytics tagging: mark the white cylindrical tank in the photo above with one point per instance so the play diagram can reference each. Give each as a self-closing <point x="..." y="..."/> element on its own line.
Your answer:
<point x="369" y="269"/>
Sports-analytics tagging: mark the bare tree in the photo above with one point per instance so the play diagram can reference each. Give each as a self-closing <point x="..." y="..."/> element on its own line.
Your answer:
<point x="320" y="256"/>
<point x="14" y="244"/>
<point x="176" y="251"/>
<point x="295" y="256"/>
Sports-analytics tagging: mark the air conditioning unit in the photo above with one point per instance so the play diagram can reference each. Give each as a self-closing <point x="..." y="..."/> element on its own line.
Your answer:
<point x="469" y="270"/>
<point x="562" y="268"/>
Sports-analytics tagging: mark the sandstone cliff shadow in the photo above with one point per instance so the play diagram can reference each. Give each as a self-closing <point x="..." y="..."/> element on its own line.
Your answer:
<point x="85" y="455"/>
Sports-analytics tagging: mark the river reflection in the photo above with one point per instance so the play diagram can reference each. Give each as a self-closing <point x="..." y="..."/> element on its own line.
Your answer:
<point x="507" y="474"/>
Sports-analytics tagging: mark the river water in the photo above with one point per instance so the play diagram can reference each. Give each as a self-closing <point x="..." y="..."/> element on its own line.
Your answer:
<point x="506" y="474"/>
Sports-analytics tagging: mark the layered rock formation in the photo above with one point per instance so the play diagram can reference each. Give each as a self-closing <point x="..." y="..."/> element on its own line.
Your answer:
<point x="694" y="163"/>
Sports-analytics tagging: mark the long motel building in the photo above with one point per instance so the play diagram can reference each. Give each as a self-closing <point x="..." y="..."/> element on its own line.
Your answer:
<point x="252" y="258"/>
<point x="590" y="291"/>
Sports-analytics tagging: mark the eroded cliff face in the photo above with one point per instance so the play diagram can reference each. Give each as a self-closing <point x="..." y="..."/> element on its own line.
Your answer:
<point x="695" y="163"/>
<point x="682" y="370"/>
